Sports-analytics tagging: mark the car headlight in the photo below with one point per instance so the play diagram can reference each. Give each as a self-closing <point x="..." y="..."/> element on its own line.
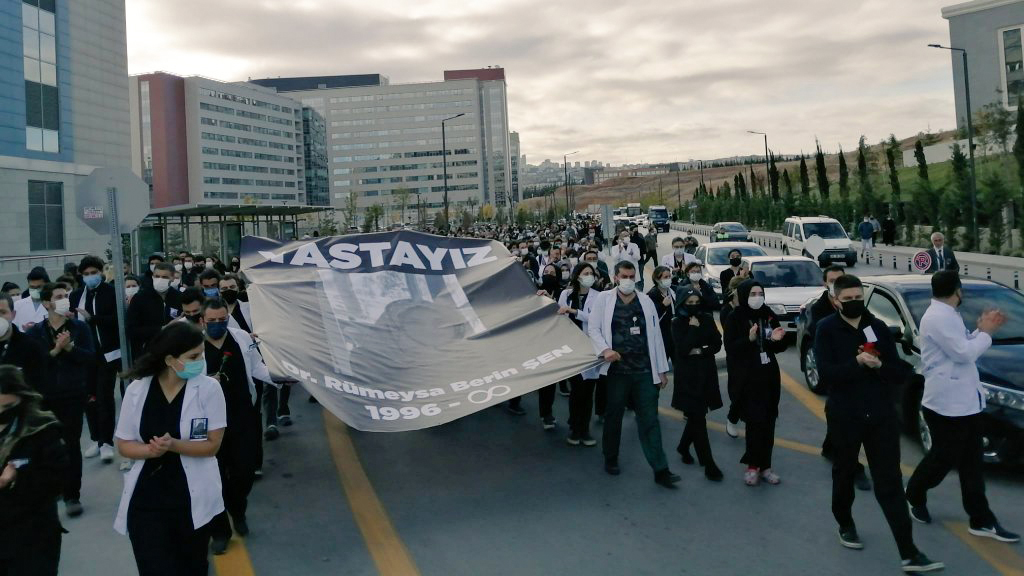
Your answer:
<point x="778" y="309"/>
<point x="1004" y="397"/>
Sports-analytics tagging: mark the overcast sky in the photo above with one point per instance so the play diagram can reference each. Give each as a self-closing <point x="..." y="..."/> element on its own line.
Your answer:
<point x="644" y="81"/>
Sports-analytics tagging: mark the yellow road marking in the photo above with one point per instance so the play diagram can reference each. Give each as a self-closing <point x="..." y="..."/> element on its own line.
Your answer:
<point x="1001" y="556"/>
<point x="234" y="562"/>
<point x="385" y="546"/>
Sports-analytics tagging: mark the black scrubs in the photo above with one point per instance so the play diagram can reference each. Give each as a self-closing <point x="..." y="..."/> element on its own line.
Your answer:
<point x="160" y="512"/>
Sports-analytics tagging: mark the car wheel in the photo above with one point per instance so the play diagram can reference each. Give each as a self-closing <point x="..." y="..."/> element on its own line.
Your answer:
<point x="811" y="374"/>
<point x="924" y="433"/>
<point x="851" y="263"/>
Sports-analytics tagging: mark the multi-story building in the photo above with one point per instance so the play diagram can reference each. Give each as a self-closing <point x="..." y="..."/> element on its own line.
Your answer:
<point x="64" y="95"/>
<point x="990" y="31"/>
<point x="514" y="158"/>
<point x="314" y="131"/>
<point x="384" y="141"/>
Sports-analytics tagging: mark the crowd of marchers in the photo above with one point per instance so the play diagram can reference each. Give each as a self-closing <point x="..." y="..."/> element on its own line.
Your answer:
<point x="198" y="402"/>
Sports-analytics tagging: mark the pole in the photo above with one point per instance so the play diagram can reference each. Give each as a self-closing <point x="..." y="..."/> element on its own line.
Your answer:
<point x="444" y="162"/>
<point x="117" y="254"/>
<point x="970" y="151"/>
<point x="565" y="161"/>
<point x="767" y="167"/>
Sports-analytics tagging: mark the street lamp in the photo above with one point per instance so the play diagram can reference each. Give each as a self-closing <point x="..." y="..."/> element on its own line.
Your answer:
<point x="565" y="160"/>
<point x="444" y="164"/>
<point x="767" y="169"/>
<point x="970" y="141"/>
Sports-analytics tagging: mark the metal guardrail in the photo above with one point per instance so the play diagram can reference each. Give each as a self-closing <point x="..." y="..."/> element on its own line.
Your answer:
<point x="18" y="264"/>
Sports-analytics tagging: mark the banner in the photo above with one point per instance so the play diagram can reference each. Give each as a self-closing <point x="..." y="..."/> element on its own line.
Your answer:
<point x="403" y="330"/>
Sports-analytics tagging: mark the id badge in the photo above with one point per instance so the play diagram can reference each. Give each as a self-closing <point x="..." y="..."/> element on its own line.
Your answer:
<point x="869" y="333"/>
<point x="764" y="358"/>
<point x="635" y="331"/>
<point x="768" y="332"/>
<point x="172" y="312"/>
<point x="199" y="429"/>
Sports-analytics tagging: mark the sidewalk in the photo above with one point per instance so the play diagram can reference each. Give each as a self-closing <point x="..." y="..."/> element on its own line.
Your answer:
<point x="1004" y="269"/>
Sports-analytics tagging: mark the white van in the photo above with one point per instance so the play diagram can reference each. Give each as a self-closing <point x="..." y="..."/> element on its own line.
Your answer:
<point x="838" y="247"/>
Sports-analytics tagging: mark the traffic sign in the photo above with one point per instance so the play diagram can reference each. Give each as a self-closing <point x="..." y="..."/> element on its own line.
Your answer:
<point x="922" y="261"/>
<point x="92" y="201"/>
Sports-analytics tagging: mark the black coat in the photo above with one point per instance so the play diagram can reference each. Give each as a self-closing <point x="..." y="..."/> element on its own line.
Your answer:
<point x="708" y="299"/>
<point x="147" y="314"/>
<point x="760" y="385"/>
<point x="695" y="376"/>
<point x="104" y="322"/>
<point x="665" y="314"/>
<point x="67" y="372"/>
<point x="947" y="255"/>
<point x="27" y="353"/>
<point x="29" y="509"/>
<point x="821" y="309"/>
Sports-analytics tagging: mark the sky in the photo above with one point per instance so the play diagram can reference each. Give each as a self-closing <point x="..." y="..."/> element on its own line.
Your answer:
<point x="622" y="82"/>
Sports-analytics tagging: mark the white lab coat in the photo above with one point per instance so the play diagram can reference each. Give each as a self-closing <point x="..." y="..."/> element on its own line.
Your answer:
<point x="669" y="259"/>
<point x="246" y="313"/>
<point x="631" y="253"/>
<point x="599" y="328"/>
<point x="583" y="316"/>
<point x="948" y="355"/>
<point x="28" y="311"/>
<point x="203" y="399"/>
<point x="255" y="368"/>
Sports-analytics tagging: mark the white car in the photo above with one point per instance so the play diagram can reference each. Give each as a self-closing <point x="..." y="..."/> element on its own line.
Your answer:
<point x="837" y="244"/>
<point x="715" y="258"/>
<point x="788" y="281"/>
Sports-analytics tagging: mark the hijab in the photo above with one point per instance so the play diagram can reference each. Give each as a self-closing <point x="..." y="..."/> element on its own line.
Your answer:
<point x="744" y="308"/>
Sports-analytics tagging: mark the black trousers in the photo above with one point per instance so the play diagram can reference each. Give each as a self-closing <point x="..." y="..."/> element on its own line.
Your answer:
<point x="696" y="433"/>
<point x="38" y="555"/>
<point x="71" y="414"/>
<point x="760" y="444"/>
<point x="275" y="402"/>
<point x="956" y="444"/>
<point x="166" y="544"/>
<point x="99" y="406"/>
<point x="880" y="438"/>
<point x="581" y="404"/>
<point x="546" y="400"/>
<point x="601" y="395"/>
<point x="239" y="457"/>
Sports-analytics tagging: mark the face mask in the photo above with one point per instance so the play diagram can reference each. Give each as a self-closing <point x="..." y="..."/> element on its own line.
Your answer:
<point x="229" y="296"/>
<point x="152" y="267"/>
<point x="515" y="252"/>
<point x="234" y="265"/>
<point x="735" y="261"/>
<point x="216" y="330"/>
<point x="565" y="275"/>
<point x="191" y="369"/>
<point x="694" y="277"/>
<point x="178" y="267"/>
<point x="852" y="309"/>
<point x="209" y="263"/>
<point x="5" y="325"/>
<point x="33" y="293"/>
<point x="193" y="318"/>
<point x="693" y="309"/>
<point x="161" y="284"/>
<point x="92" y="280"/>
<point x="831" y="289"/>
<point x="587" y="281"/>
<point x="665" y="283"/>
<point x="678" y="252"/>
<point x="187" y="265"/>
<point x="211" y="292"/>
<point x="9" y="414"/>
<point x="624" y="241"/>
<point x="627" y="286"/>
<point x="591" y="234"/>
<point x="755" y="302"/>
<point x="131" y="291"/>
<point x="62" y="306"/>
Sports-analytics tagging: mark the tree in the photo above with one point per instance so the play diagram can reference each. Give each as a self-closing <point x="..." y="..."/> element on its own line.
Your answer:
<point x="844" y="176"/>
<point x="867" y="192"/>
<point x="371" y="219"/>
<point x="1018" y="154"/>
<point x="327" y="225"/>
<point x="349" y="211"/>
<point x="819" y="169"/>
<point x="949" y="215"/>
<point x="805" y="179"/>
<point x="487" y="212"/>
<point x="997" y="196"/>
<point x="741" y="186"/>
<point x="402" y="195"/>
<point x="788" y="199"/>
<point x="773" y="176"/>
<point x="725" y="191"/>
<point x="894" y="178"/>
<point x="922" y="163"/>
<point x="961" y="188"/>
<point x="927" y="198"/>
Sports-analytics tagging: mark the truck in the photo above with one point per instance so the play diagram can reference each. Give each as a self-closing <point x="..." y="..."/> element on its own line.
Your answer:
<point x="657" y="218"/>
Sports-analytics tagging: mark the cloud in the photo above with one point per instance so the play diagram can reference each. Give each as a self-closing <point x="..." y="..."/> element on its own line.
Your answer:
<point x="621" y="82"/>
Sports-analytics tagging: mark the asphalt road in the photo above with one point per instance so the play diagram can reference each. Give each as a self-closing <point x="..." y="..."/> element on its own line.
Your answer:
<point x="494" y="494"/>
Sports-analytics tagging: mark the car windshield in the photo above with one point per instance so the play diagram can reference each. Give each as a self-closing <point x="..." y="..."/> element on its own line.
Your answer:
<point x="977" y="299"/>
<point x="732" y="227"/>
<point x="634" y="211"/>
<point x="659" y="213"/>
<point x="786" y="274"/>
<point x="826" y="230"/>
<point x="720" y="256"/>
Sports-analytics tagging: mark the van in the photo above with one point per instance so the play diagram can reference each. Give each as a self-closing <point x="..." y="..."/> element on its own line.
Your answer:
<point x="838" y="247"/>
<point x="657" y="218"/>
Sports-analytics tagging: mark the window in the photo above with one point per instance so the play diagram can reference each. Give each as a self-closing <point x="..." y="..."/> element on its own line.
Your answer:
<point x="46" y="215"/>
<point x="39" y="51"/>
<point x="1013" y="66"/>
<point x="884" y="308"/>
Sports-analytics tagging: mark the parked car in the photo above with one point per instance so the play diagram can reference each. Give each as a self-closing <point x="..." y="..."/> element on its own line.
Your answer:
<point x="715" y="258"/>
<point x="729" y="232"/>
<point x="900" y="302"/>
<point x="838" y="246"/>
<point x="789" y="281"/>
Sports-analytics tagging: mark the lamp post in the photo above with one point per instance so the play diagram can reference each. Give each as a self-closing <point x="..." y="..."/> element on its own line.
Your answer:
<point x="767" y="168"/>
<point x="444" y="164"/>
<point x="970" y="141"/>
<point x="568" y="207"/>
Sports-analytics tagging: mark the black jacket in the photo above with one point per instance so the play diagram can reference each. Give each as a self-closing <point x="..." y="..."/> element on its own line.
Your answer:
<point x="665" y="314"/>
<point x="67" y="372"/>
<point x="856" y="391"/>
<point x="147" y="314"/>
<point x="29" y="509"/>
<point x="760" y="384"/>
<point x="26" y="353"/>
<point x="708" y="299"/>
<point x="821" y="309"/>
<point x="695" y="376"/>
<point x="947" y="255"/>
<point x="104" y="322"/>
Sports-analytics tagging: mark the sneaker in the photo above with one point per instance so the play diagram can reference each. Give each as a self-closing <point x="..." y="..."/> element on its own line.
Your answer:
<point x="996" y="532"/>
<point x="284" y="420"/>
<point x="685" y="453"/>
<point x="241" y="526"/>
<point x="666" y="478"/>
<point x="612" y="467"/>
<point x="861" y="481"/>
<point x="516" y="410"/>
<point x="921" y="563"/>
<point x="770" y="476"/>
<point x="920" y="513"/>
<point x="271" y="433"/>
<point x="218" y="546"/>
<point x="713" y="472"/>
<point x="549" y="422"/>
<point x="588" y="441"/>
<point x="73" y="508"/>
<point x="751" y="477"/>
<point x="126" y="464"/>
<point x="849" y="539"/>
<point x="731" y="430"/>
<point x="107" y="454"/>
<point x="572" y="441"/>
<point x="92" y="452"/>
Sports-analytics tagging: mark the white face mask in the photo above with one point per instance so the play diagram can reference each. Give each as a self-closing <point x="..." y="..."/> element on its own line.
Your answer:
<point x="755" y="302"/>
<point x="209" y="263"/>
<point x="565" y="275"/>
<point x="678" y="252"/>
<point x="665" y="283"/>
<point x="587" y="281"/>
<point x="161" y="284"/>
<point x="187" y="265"/>
<point x="33" y="293"/>
<point x="831" y="289"/>
<point x="5" y="325"/>
<point x="177" y="267"/>
<point x="152" y="267"/>
<point x="627" y="286"/>
<point x="131" y="291"/>
<point x="694" y="277"/>
<point x="62" y="306"/>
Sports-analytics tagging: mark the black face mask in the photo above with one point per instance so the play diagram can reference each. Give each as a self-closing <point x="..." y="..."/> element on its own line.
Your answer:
<point x="692" y="309"/>
<point x="229" y="296"/>
<point x="735" y="261"/>
<point x="549" y="283"/>
<point x="852" y="309"/>
<point x="8" y="416"/>
<point x="193" y="318"/>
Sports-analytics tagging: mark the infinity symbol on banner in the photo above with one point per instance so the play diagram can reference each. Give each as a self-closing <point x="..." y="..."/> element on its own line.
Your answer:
<point x="489" y="394"/>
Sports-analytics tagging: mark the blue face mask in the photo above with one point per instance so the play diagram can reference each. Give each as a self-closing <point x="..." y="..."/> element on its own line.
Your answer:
<point x="216" y="330"/>
<point x="212" y="292"/>
<point x="92" y="280"/>
<point x="192" y="369"/>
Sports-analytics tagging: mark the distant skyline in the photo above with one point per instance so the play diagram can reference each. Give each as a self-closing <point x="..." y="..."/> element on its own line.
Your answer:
<point x="621" y="83"/>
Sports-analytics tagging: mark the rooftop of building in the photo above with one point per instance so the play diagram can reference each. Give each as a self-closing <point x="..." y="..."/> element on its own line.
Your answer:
<point x="300" y="83"/>
<point x="975" y="6"/>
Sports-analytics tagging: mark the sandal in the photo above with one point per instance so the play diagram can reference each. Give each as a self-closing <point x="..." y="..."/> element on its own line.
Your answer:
<point x="751" y="477"/>
<point x="770" y="477"/>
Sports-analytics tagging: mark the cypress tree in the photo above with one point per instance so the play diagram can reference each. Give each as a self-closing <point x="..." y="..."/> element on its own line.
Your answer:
<point x="819" y="169"/>
<point x="962" y="184"/>
<point x="773" y="177"/>
<point x="788" y="199"/>
<point x="805" y="179"/>
<point x="844" y="176"/>
<point x="1018" y="154"/>
<point x="922" y="164"/>
<point x="894" y="178"/>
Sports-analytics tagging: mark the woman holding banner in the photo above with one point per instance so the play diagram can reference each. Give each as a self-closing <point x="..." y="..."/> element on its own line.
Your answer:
<point x="575" y="301"/>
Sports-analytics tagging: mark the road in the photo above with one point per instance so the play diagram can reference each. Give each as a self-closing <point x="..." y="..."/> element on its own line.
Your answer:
<point x="494" y="494"/>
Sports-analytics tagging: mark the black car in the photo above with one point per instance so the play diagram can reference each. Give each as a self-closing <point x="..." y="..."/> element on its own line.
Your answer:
<point x="730" y="232"/>
<point x="900" y="302"/>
